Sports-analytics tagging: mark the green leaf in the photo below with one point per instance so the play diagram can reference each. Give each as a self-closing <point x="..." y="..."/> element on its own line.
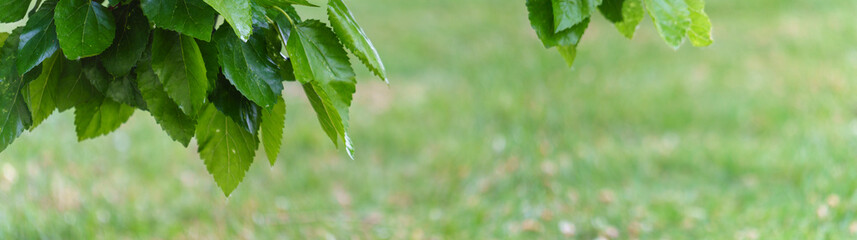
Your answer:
<point x="317" y="55"/>
<point x="178" y="63"/>
<point x="13" y="10"/>
<point x="189" y="17"/>
<point x="331" y="103"/>
<point x="700" y="27"/>
<point x="225" y="147"/>
<point x="14" y="115"/>
<point x="569" y="53"/>
<point x="632" y="14"/>
<point x="273" y="122"/>
<point x="167" y="113"/>
<point x="100" y="117"/>
<point x="285" y="3"/>
<point x="122" y="89"/>
<point x="39" y="39"/>
<point x="3" y="37"/>
<point x="229" y="101"/>
<point x="568" y="13"/>
<point x="672" y="19"/>
<point x="237" y="13"/>
<point x="41" y="90"/>
<point x="354" y="38"/>
<point x="542" y="20"/>
<point x="132" y="36"/>
<point x="612" y="10"/>
<point x="248" y="67"/>
<point x="73" y="88"/>
<point x="212" y="67"/>
<point x="84" y="28"/>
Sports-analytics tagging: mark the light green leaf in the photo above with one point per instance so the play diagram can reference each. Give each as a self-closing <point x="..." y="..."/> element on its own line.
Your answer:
<point x="632" y="14"/>
<point x="84" y="28"/>
<point x="13" y="10"/>
<point x="14" y="115"/>
<point x="39" y="39"/>
<point x="317" y="55"/>
<point x="179" y="126"/>
<point x="3" y="37"/>
<point x="273" y="122"/>
<point x="568" y="13"/>
<point x="41" y="90"/>
<point x="178" y="63"/>
<point x="132" y="37"/>
<point x="285" y="3"/>
<point x="700" y="27"/>
<point x="672" y="19"/>
<point x="225" y="147"/>
<point x="542" y="20"/>
<point x="248" y="67"/>
<point x="354" y="38"/>
<point x="569" y="53"/>
<point x="331" y="103"/>
<point x="100" y="117"/>
<point x="237" y="13"/>
<point x="189" y="17"/>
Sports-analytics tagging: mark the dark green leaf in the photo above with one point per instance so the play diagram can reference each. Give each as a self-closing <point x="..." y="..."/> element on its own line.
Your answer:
<point x="13" y="10"/>
<point x="132" y="36"/>
<point x="178" y="63"/>
<point x="700" y="27"/>
<point x="190" y="17"/>
<point x="226" y="148"/>
<point x="179" y="126"/>
<point x="100" y="117"/>
<point x="672" y="19"/>
<point x="41" y="90"/>
<point x="612" y="10"/>
<point x="248" y="67"/>
<point x="73" y="88"/>
<point x="273" y="122"/>
<point x="120" y="89"/>
<point x="212" y="67"/>
<point x="228" y="100"/>
<point x="237" y="13"/>
<point x="14" y="115"/>
<point x="568" y="13"/>
<point x="354" y="38"/>
<point x="39" y="39"/>
<point x="632" y="14"/>
<point x="84" y="28"/>
<point x="317" y="55"/>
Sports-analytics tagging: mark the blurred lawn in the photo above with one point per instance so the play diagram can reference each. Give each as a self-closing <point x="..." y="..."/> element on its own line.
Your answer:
<point x="484" y="134"/>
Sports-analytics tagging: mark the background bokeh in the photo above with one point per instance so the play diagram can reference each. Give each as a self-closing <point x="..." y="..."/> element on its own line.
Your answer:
<point x="484" y="134"/>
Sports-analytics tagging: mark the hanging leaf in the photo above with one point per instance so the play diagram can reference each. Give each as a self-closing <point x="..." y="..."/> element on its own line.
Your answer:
<point x="190" y="17"/>
<point x="132" y="37"/>
<point x="41" y="90"/>
<point x="226" y="148"/>
<point x="13" y="10"/>
<point x="317" y="55"/>
<point x="248" y="67"/>
<point x="177" y="61"/>
<point x="84" y="28"/>
<point x="237" y="13"/>
<point x="14" y="114"/>
<point x="167" y="113"/>
<point x="273" y="122"/>
<point x="354" y="38"/>
<point x="100" y="117"/>
<point x="672" y="19"/>
<point x="39" y="39"/>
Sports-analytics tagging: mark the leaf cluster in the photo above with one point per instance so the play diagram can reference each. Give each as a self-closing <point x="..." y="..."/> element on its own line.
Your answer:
<point x="221" y="84"/>
<point x="562" y="23"/>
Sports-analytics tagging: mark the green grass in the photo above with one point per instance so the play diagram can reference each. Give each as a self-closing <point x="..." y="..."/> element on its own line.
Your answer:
<point x="484" y="134"/>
